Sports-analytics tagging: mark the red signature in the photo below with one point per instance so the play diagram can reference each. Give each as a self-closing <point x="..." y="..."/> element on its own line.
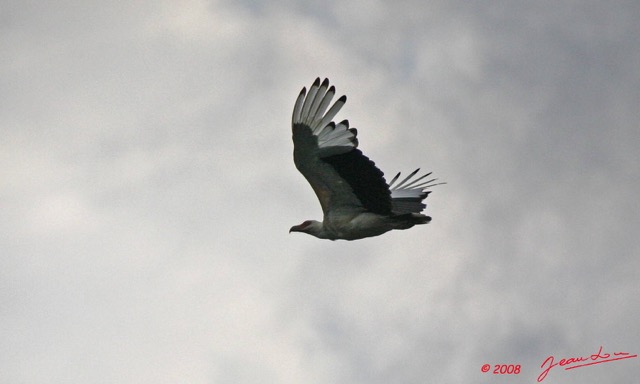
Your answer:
<point x="596" y="358"/>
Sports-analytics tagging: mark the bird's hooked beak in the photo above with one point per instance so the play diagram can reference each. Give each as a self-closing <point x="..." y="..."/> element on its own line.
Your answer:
<point x="304" y="227"/>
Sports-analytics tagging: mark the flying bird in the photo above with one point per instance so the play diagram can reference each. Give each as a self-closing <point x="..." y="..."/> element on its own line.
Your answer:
<point x="356" y="200"/>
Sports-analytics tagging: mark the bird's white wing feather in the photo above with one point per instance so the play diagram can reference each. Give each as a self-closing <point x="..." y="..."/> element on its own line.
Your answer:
<point x="310" y="110"/>
<point x="407" y="195"/>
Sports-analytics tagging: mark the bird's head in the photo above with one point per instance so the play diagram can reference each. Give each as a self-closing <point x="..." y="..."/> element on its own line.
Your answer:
<point x="311" y="227"/>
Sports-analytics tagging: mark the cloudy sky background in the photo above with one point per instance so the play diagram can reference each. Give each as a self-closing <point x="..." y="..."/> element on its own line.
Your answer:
<point x="147" y="188"/>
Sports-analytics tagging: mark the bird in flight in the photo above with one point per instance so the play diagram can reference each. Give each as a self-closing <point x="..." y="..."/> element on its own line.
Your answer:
<point x="356" y="200"/>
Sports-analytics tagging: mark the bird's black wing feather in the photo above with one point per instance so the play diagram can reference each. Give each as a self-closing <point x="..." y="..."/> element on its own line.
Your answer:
<point x="364" y="178"/>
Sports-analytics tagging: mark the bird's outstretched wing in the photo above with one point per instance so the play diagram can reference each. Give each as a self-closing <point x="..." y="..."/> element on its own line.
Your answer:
<point x="407" y="195"/>
<point x="343" y="178"/>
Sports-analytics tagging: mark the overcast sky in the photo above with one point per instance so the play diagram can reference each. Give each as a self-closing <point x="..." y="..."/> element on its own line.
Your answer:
<point x="147" y="188"/>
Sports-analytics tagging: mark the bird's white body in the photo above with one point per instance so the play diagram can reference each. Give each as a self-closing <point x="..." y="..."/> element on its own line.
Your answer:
<point x="356" y="200"/>
<point x="354" y="226"/>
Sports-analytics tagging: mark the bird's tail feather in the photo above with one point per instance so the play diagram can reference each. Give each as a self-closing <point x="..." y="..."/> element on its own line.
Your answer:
<point x="408" y="220"/>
